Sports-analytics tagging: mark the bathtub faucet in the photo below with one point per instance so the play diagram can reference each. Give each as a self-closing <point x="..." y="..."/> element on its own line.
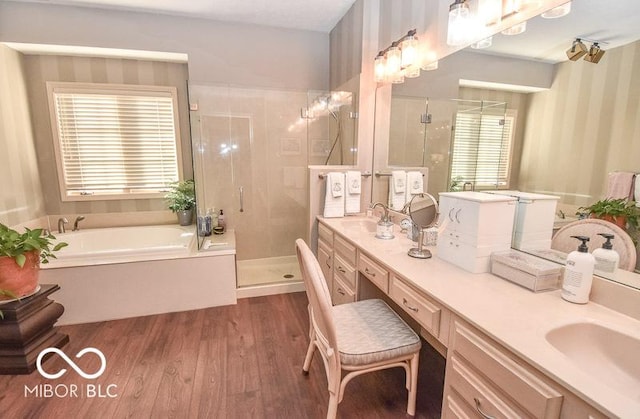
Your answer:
<point x="61" y="223"/>
<point x="75" y="223"/>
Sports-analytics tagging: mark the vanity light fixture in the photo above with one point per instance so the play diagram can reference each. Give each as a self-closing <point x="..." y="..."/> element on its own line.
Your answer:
<point x="401" y="59"/>
<point x="490" y="12"/>
<point x="460" y="20"/>
<point x="556" y="12"/>
<point x="577" y="50"/>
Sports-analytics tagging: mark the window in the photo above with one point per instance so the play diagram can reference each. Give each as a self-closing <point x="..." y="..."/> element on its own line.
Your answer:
<point x="114" y="141"/>
<point x="482" y="146"/>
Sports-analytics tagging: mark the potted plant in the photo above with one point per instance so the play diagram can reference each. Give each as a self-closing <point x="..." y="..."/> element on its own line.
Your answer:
<point x="621" y="212"/>
<point x="182" y="200"/>
<point x="20" y="258"/>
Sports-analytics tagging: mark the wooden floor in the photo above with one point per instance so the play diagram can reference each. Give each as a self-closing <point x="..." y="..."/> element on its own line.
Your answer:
<point x="242" y="361"/>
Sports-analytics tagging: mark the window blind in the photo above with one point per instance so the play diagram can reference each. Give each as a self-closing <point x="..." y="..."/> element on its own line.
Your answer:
<point x="482" y="149"/>
<point x="116" y="143"/>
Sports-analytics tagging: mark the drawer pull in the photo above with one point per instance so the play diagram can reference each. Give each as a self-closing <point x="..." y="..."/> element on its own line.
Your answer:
<point x="406" y="304"/>
<point x="368" y="272"/>
<point x="457" y="213"/>
<point x="484" y="415"/>
<point x="450" y="211"/>
<point x="341" y="269"/>
<point x="340" y="291"/>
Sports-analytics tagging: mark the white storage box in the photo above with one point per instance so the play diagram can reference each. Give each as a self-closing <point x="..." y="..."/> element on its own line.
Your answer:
<point x="526" y="270"/>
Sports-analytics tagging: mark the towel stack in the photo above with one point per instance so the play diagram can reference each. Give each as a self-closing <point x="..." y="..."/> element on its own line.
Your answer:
<point x="397" y="189"/>
<point x="354" y="187"/>
<point x="415" y="184"/>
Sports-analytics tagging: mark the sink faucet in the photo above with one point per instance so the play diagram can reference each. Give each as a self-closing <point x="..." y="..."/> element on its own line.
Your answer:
<point x="61" y="223"/>
<point x="385" y="215"/>
<point x="75" y="223"/>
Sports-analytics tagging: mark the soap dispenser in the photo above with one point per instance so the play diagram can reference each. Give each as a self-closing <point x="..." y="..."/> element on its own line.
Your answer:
<point x="578" y="273"/>
<point x="607" y="259"/>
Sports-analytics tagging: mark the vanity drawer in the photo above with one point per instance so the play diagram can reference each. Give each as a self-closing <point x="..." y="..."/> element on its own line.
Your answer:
<point x="374" y="272"/>
<point x="454" y="407"/>
<point x="341" y="294"/>
<point x="417" y="305"/>
<point x="516" y="381"/>
<point x="325" y="233"/>
<point x="345" y="272"/>
<point x="346" y="250"/>
<point x="476" y="393"/>
<point x="325" y="259"/>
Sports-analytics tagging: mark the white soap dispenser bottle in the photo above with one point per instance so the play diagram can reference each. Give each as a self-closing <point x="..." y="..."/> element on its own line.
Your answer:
<point x="607" y="259"/>
<point x="578" y="273"/>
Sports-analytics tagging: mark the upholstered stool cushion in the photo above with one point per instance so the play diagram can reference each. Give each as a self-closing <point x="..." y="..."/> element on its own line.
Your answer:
<point x="370" y="331"/>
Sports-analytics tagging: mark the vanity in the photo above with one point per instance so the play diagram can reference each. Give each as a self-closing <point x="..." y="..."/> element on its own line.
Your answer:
<point x="509" y="352"/>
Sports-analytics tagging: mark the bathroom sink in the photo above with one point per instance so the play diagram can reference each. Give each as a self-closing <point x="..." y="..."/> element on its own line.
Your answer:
<point x="608" y="355"/>
<point x="366" y="224"/>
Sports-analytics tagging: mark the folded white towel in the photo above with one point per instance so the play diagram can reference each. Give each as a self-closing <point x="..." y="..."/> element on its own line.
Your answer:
<point x="397" y="189"/>
<point x="620" y="185"/>
<point x="414" y="183"/>
<point x="354" y="187"/>
<point x="334" y="205"/>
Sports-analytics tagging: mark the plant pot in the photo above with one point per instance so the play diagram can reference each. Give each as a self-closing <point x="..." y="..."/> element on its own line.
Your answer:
<point x="185" y="217"/>
<point x="620" y="221"/>
<point x="21" y="281"/>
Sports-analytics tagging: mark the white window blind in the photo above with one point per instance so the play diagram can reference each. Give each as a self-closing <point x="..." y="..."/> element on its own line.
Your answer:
<point x="482" y="147"/>
<point x="115" y="142"/>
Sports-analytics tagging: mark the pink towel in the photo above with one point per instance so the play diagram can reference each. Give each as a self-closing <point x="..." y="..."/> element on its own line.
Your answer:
<point x="620" y="185"/>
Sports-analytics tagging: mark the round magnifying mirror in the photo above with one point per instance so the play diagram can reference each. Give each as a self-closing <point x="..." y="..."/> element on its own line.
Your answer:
<point x="423" y="211"/>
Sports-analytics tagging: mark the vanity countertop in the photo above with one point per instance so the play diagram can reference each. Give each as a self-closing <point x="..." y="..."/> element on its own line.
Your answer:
<point x="514" y="316"/>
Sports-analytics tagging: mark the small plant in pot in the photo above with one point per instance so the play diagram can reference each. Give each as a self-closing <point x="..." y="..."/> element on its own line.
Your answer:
<point x="182" y="200"/>
<point x="20" y="258"/>
<point x="621" y="212"/>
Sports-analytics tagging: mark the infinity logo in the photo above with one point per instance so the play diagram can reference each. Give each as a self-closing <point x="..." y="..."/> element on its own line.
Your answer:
<point x="72" y="364"/>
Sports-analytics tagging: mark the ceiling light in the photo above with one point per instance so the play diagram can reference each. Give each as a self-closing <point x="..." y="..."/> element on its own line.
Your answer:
<point x="484" y="43"/>
<point x="577" y="50"/>
<point x="516" y="29"/>
<point x="557" y="11"/>
<point x="459" y="23"/>
<point x="595" y="54"/>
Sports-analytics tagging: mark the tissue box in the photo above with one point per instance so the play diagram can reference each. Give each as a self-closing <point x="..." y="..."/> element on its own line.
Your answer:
<point x="526" y="270"/>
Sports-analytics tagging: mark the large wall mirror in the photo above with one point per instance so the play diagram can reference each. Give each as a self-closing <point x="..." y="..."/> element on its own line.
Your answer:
<point x="569" y="123"/>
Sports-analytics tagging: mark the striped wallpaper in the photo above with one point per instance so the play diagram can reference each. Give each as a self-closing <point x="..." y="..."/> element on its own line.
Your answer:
<point x="43" y="68"/>
<point x="346" y="46"/>
<point x="585" y="126"/>
<point x="21" y="198"/>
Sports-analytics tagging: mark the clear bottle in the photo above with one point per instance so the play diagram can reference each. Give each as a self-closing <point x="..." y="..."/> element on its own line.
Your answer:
<point x="607" y="259"/>
<point x="578" y="273"/>
<point x="222" y="221"/>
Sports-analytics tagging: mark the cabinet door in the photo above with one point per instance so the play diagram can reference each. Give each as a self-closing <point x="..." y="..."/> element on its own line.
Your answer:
<point x="325" y="259"/>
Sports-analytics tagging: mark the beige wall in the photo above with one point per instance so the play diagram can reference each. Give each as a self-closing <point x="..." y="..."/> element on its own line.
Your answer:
<point x="346" y="46"/>
<point x="43" y="68"/>
<point x="21" y="197"/>
<point x="585" y="126"/>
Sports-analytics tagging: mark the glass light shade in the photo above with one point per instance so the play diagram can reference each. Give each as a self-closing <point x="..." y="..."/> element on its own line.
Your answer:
<point x="412" y="72"/>
<point x="409" y="49"/>
<point x="511" y="6"/>
<point x="485" y="43"/>
<point x="556" y="12"/>
<point x="515" y="29"/>
<point x="394" y="65"/>
<point x="459" y="23"/>
<point x="428" y="60"/>
<point x="430" y="66"/>
<point x="379" y="68"/>
<point x="490" y="11"/>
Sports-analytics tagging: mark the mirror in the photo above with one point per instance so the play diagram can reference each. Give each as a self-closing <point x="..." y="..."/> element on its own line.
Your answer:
<point x="423" y="211"/>
<point x="576" y="122"/>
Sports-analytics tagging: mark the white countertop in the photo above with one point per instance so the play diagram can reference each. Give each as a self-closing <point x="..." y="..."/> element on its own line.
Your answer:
<point x="514" y="316"/>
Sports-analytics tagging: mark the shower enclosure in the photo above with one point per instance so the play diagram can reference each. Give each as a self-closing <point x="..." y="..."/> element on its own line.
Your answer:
<point x="251" y="151"/>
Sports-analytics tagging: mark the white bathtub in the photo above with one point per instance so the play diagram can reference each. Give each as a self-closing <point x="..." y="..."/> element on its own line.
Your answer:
<point x="123" y="244"/>
<point x="115" y="273"/>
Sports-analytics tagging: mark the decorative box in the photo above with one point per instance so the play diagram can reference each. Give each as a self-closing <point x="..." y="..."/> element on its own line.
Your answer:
<point x="526" y="270"/>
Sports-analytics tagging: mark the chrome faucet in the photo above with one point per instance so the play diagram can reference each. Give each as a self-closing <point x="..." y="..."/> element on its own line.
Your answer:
<point x="470" y="185"/>
<point x="61" y="223"/>
<point x="75" y="223"/>
<point x="385" y="215"/>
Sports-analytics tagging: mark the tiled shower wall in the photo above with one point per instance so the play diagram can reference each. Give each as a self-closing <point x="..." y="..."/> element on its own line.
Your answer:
<point x="21" y="198"/>
<point x="252" y="138"/>
<point x="43" y="68"/>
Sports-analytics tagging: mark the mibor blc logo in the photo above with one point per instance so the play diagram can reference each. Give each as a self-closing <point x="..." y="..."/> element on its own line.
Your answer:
<point x="48" y="390"/>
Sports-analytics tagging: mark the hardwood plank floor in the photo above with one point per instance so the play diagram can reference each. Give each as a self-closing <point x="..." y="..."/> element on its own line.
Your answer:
<point x="242" y="361"/>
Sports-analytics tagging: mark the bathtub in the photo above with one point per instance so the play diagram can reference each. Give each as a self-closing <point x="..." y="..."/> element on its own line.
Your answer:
<point x="115" y="273"/>
<point x="123" y="244"/>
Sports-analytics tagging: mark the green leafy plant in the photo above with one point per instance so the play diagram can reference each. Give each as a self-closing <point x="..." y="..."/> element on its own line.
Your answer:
<point x="15" y="245"/>
<point x="616" y="209"/>
<point x="456" y="184"/>
<point x="182" y="196"/>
